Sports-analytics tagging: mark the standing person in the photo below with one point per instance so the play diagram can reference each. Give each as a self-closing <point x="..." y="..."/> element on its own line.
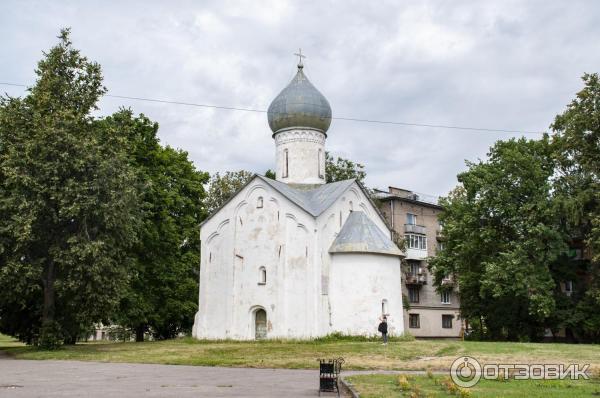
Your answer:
<point x="383" y="329"/>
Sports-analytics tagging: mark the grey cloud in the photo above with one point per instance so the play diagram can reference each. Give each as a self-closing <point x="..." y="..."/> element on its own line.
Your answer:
<point x="498" y="64"/>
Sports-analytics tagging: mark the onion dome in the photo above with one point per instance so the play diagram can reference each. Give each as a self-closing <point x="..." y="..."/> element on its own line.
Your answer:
<point x="299" y="105"/>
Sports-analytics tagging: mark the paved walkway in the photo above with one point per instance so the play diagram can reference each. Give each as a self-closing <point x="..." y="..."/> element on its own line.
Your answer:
<point x="23" y="378"/>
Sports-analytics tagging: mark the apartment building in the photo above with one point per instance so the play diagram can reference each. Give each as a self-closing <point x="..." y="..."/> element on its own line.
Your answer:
<point x="414" y="217"/>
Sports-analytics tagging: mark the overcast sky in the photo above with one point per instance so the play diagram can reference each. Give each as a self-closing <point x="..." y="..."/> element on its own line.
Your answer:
<point x="503" y="65"/>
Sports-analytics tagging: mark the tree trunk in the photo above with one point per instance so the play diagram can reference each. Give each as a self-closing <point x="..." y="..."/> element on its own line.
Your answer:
<point x="70" y="341"/>
<point x="49" y="278"/>
<point x="139" y="334"/>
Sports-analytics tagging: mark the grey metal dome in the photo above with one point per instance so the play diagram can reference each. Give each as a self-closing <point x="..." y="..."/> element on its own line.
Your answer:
<point x="300" y="104"/>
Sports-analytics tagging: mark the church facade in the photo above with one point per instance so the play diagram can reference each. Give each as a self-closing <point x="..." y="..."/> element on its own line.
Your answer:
<point x="296" y="257"/>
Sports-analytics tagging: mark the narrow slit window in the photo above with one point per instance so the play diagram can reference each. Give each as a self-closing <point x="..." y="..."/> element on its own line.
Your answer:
<point x="286" y="163"/>
<point x="259" y="202"/>
<point x="320" y="163"/>
<point x="262" y="276"/>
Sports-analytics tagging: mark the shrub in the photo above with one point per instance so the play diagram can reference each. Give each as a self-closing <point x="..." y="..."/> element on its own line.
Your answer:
<point x="464" y="393"/>
<point x="403" y="383"/>
<point x="51" y="336"/>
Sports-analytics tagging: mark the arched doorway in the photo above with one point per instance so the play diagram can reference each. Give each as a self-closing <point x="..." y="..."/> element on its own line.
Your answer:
<point x="260" y="324"/>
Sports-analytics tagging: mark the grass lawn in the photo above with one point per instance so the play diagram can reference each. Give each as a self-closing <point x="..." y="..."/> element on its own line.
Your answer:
<point x="398" y="355"/>
<point x="7" y="342"/>
<point x="382" y="386"/>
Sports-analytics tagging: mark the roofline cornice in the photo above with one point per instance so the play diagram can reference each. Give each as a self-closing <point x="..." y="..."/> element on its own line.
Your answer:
<point x="416" y="202"/>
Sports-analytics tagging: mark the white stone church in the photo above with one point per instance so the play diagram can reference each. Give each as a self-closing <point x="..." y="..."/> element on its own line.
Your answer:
<point x="296" y="257"/>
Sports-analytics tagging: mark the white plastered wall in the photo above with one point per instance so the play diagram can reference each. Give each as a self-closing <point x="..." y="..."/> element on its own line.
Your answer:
<point x="359" y="284"/>
<point x="303" y="281"/>
<point x="305" y="151"/>
<point x="239" y="240"/>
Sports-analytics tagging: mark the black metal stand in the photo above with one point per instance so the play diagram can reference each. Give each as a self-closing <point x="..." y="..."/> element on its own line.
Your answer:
<point x="329" y="374"/>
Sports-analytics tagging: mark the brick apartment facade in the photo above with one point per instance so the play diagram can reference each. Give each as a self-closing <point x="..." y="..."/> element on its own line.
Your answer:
<point x="415" y="218"/>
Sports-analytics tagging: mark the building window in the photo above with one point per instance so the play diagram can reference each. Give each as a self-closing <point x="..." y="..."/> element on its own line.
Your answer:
<point x="575" y="254"/>
<point x="262" y="276"/>
<point x="320" y="163"/>
<point x="447" y="321"/>
<point x="259" y="202"/>
<point x="568" y="287"/>
<point x="411" y="219"/>
<point x="440" y="246"/>
<point x="384" y="307"/>
<point x="413" y="294"/>
<point x="286" y="163"/>
<point x="414" y="321"/>
<point x="445" y="296"/>
<point x="416" y="241"/>
<point x="415" y="269"/>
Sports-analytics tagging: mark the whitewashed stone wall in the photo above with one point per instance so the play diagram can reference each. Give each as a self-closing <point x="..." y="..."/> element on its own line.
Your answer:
<point x="360" y="283"/>
<point x="306" y="156"/>
<point x="308" y="292"/>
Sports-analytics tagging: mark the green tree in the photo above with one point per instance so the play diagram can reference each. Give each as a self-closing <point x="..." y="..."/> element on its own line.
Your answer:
<point x="162" y="296"/>
<point x="577" y="187"/>
<point x="270" y="174"/>
<point x="222" y="187"/>
<point x="502" y="237"/>
<point x="577" y="141"/>
<point x="67" y="204"/>
<point x="339" y="169"/>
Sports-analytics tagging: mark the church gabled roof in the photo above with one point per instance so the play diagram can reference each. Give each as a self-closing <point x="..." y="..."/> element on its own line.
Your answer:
<point x="360" y="235"/>
<point x="314" y="201"/>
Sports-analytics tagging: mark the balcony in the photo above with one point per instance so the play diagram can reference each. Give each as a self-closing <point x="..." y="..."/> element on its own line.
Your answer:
<point x="438" y="234"/>
<point x="411" y="279"/>
<point x="415" y="229"/>
<point x="448" y="281"/>
<point x="416" y="254"/>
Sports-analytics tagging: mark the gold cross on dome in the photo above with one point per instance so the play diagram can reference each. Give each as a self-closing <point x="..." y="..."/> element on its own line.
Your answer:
<point x="300" y="56"/>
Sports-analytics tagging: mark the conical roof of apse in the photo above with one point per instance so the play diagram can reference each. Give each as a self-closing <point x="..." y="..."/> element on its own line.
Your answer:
<point x="360" y="235"/>
<point x="300" y="105"/>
